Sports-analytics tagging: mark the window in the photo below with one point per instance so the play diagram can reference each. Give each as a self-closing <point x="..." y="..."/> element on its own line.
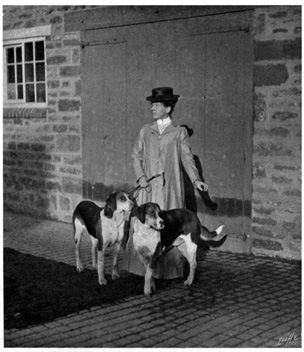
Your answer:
<point x="24" y="63"/>
<point x="25" y="72"/>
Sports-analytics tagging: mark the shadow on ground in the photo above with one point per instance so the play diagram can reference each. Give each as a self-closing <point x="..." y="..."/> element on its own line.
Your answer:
<point x="37" y="290"/>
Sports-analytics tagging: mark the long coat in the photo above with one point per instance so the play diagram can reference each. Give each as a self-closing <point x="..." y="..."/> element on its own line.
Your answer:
<point x="167" y="153"/>
<point x="153" y="154"/>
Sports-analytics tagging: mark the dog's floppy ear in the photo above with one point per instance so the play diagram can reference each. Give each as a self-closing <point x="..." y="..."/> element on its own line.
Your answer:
<point x="110" y="206"/>
<point x="141" y="213"/>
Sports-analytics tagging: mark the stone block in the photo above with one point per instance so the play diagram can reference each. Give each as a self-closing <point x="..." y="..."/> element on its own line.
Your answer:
<point x="293" y="193"/>
<point x="293" y="92"/>
<point x="60" y="128"/>
<point x="264" y="221"/>
<point x="69" y="105"/>
<point x="64" y="204"/>
<point x="72" y="159"/>
<point x="53" y="84"/>
<point x="278" y="14"/>
<point x="72" y="185"/>
<point x="53" y="186"/>
<point x="281" y="179"/>
<point x="38" y="147"/>
<point x="70" y="71"/>
<point x="56" y="60"/>
<point x="263" y="210"/>
<point x="11" y="145"/>
<point x="68" y="143"/>
<point x="267" y="244"/>
<point x="269" y="75"/>
<point x="262" y="231"/>
<point x="272" y="132"/>
<point x="77" y="92"/>
<point x="284" y="115"/>
<point x="259" y="171"/>
<point x="56" y="20"/>
<point x="271" y="149"/>
<point x="284" y="167"/>
<point x="71" y="42"/>
<point x="259" y="24"/>
<point x="259" y="107"/>
<point x="24" y="146"/>
<point x="298" y="68"/>
<point x="278" y="50"/>
<point x="70" y="170"/>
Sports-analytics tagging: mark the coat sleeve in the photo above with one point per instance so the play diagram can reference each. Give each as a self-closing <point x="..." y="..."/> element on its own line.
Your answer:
<point x="187" y="156"/>
<point x="137" y="155"/>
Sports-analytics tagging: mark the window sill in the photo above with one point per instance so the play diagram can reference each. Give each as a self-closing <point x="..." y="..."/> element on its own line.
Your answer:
<point x="25" y="113"/>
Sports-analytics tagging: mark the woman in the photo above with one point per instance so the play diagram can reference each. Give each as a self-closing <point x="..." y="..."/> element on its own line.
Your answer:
<point x="162" y="149"/>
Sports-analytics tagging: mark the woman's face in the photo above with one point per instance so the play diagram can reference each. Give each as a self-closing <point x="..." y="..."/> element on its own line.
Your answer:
<point x="159" y="111"/>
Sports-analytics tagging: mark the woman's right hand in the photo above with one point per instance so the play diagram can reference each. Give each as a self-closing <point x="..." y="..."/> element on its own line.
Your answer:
<point x="143" y="182"/>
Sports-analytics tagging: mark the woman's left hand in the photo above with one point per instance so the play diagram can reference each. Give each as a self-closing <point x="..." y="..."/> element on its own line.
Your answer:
<point x="202" y="186"/>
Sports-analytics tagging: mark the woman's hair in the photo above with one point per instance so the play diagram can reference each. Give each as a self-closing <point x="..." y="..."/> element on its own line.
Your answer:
<point x="170" y="104"/>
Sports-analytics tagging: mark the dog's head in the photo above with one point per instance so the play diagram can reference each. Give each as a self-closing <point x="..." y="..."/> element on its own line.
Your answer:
<point x="117" y="201"/>
<point x="148" y="214"/>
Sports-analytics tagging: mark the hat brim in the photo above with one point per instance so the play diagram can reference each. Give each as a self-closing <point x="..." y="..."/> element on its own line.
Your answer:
<point x="162" y="99"/>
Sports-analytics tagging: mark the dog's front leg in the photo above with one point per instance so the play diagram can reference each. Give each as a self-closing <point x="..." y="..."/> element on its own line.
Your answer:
<point x="94" y="252"/>
<point x="192" y="262"/>
<point x="100" y="267"/>
<point x="115" y="274"/>
<point x="148" y="281"/>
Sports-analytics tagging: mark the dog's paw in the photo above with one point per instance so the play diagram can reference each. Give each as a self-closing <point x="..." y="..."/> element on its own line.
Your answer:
<point x="115" y="275"/>
<point x="102" y="282"/>
<point x="153" y="286"/>
<point x="80" y="268"/>
<point x="188" y="282"/>
<point x="148" y="292"/>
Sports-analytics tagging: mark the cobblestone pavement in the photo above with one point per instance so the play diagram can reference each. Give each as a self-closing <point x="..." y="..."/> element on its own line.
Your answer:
<point x="235" y="301"/>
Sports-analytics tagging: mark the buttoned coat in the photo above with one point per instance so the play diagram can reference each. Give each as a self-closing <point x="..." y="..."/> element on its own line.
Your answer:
<point x="167" y="153"/>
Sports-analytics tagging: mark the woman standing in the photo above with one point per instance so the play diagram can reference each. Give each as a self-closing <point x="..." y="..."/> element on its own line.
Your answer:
<point x="162" y="148"/>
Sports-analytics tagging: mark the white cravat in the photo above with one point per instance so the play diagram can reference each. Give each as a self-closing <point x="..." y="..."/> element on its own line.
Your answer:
<point x="163" y="123"/>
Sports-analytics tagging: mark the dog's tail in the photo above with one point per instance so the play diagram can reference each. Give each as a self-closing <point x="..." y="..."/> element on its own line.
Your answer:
<point x="207" y="237"/>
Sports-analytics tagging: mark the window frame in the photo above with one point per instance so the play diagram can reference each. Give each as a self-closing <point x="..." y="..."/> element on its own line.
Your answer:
<point x="13" y="38"/>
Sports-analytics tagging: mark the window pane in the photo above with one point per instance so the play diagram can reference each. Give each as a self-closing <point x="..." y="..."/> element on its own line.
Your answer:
<point x="28" y="51"/>
<point x="40" y="93"/>
<point x="20" y="91"/>
<point x="40" y="72"/>
<point x="39" y="52"/>
<point x="19" y="54"/>
<point x="10" y="55"/>
<point x="29" y="73"/>
<point x="19" y="74"/>
<point x="11" y="91"/>
<point x="11" y="74"/>
<point x="30" y="93"/>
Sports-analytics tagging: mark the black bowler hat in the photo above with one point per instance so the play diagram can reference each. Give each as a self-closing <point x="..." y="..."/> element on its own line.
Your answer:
<point x="162" y="94"/>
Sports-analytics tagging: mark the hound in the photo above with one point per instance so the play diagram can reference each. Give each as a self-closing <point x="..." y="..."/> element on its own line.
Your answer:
<point x="105" y="226"/>
<point x="156" y="232"/>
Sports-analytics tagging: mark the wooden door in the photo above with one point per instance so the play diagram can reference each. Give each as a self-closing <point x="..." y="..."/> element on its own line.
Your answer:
<point x="209" y="63"/>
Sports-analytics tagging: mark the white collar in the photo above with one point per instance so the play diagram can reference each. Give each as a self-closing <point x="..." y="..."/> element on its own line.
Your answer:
<point x="164" y="122"/>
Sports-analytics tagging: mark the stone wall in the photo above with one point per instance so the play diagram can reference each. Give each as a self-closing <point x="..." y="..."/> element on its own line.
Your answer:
<point x="42" y="150"/>
<point x="277" y="132"/>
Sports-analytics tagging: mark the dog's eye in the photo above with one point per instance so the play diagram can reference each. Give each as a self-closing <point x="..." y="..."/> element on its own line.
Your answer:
<point x="152" y="214"/>
<point x="123" y="198"/>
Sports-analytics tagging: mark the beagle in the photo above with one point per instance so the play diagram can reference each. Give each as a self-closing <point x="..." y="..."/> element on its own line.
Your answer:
<point x="105" y="226"/>
<point x="156" y="232"/>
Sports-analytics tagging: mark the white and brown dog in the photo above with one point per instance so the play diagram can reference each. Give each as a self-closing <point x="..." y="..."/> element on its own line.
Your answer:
<point x="105" y="226"/>
<point x="156" y="232"/>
